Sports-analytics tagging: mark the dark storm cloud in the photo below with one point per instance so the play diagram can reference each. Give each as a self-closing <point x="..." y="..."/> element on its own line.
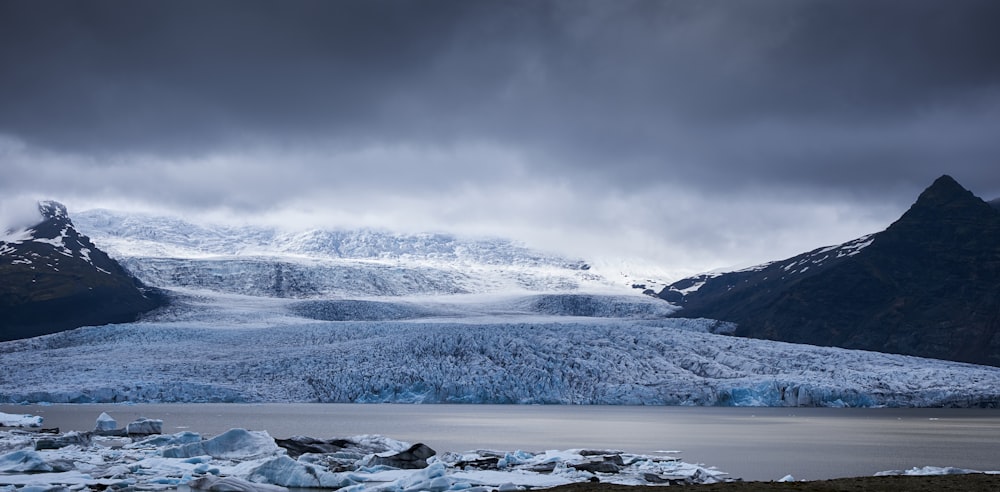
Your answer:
<point x="726" y="91"/>
<point x="698" y="122"/>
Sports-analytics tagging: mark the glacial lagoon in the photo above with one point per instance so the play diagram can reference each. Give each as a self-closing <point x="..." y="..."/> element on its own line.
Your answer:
<point x="750" y="443"/>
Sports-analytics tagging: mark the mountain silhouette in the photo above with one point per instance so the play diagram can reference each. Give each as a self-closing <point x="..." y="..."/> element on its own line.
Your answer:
<point x="52" y="278"/>
<point x="928" y="285"/>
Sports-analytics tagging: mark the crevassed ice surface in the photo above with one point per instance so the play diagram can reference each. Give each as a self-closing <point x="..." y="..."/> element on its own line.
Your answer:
<point x="377" y="317"/>
<point x="610" y="361"/>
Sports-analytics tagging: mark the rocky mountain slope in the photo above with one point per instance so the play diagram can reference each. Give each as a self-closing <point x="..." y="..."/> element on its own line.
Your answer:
<point x="928" y="285"/>
<point x="53" y="278"/>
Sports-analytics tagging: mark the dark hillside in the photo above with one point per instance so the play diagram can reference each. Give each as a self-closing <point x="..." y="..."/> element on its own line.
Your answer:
<point x="52" y="278"/>
<point x="929" y="285"/>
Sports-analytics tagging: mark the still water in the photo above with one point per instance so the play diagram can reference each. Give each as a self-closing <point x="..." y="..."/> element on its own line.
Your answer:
<point x="750" y="443"/>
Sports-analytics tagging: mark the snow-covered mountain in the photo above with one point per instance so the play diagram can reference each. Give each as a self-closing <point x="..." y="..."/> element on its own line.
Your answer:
<point x="54" y="278"/>
<point x="169" y="252"/>
<point x="366" y="316"/>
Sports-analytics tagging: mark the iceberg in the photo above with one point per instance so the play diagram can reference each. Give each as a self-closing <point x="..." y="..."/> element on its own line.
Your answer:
<point x="105" y="423"/>
<point x="23" y="462"/>
<point x="231" y="484"/>
<point x="233" y="444"/>
<point x="144" y="427"/>
<point x="16" y="420"/>
<point x="251" y="461"/>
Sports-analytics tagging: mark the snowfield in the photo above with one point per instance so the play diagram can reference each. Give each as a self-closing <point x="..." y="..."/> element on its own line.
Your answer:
<point x="259" y="261"/>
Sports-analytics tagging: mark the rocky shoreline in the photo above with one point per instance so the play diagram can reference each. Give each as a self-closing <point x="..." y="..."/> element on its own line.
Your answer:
<point x="138" y="456"/>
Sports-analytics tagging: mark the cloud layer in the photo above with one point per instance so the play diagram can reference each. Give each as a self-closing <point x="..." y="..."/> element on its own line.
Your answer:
<point x="693" y="134"/>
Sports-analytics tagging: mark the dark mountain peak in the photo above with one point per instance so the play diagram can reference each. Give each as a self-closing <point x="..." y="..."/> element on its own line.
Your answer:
<point x="943" y="199"/>
<point x="927" y="285"/>
<point x="55" y="222"/>
<point x="945" y="217"/>
<point x="53" y="278"/>
<point x="944" y="192"/>
<point x="995" y="203"/>
<point x="945" y="184"/>
<point x="52" y="209"/>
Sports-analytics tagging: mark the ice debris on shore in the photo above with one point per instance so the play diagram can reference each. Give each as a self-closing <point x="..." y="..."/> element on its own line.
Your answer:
<point x="932" y="470"/>
<point x="252" y="461"/>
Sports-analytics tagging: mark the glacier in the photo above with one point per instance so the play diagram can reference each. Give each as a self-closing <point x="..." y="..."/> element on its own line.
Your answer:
<point x="265" y="353"/>
<point x="263" y="315"/>
<point x="171" y="253"/>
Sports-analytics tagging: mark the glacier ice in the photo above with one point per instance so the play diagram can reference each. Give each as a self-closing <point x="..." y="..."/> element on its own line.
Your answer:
<point x="144" y="427"/>
<point x="261" y="315"/>
<point x="106" y="423"/>
<point x="573" y="361"/>
<point x="235" y="443"/>
<point x="19" y="420"/>
<point x="23" y="461"/>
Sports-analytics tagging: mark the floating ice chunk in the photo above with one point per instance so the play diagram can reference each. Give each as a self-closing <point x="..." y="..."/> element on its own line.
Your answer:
<point x="519" y="478"/>
<point x="424" y="479"/>
<point x="106" y="423"/>
<point x="232" y="484"/>
<point x="77" y="480"/>
<point x="144" y="427"/>
<point x="787" y="478"/>
<point x="178" y="439"/>
<point x="931" y="470"/>
<point x="19" y="420"/>
<point x="232" y="444"/>
<point x="23" y="461"/>
<point x="287" y="472"/>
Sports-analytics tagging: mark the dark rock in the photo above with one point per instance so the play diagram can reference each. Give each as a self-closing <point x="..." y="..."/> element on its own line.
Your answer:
<point x="82" y="439"/>
<point x="543" y="468"/>
<point x="484" y="463"/>
<point x="607" y="464"/>
<point x="604" y="453"/>
<point x="299" y="445"/>
<point x="413" y="457"/>
<point x="112" y="433"/>
<point x="654" y="478"/>
<point x="929" y="285"/>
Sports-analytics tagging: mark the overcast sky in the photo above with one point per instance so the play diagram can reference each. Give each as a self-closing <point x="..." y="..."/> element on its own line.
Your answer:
<point x="689" y="135"/>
